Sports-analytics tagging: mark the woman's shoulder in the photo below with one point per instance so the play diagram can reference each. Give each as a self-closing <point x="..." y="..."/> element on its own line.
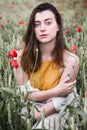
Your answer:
<point x="71" y="57"/>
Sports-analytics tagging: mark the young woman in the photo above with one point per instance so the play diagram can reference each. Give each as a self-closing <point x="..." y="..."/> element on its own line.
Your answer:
<point x="46" y="64"/>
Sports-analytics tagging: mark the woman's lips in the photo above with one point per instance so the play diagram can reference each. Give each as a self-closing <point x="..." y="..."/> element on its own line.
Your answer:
<point x="43" y="35"/>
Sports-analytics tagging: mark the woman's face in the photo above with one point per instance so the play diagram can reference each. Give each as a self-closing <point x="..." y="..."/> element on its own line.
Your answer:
<point x="46" y="26"/>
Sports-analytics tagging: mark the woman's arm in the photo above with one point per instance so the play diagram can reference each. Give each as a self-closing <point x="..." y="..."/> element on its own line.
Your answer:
<point x="71" y="67"/>
<point x="62" y="89"/>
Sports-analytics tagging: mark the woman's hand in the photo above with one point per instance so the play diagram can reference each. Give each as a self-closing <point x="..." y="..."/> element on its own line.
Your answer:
<point x="64" y="87"/>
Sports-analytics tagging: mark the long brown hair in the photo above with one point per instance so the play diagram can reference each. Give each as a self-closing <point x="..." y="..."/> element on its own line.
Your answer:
<point x="31" y="43"/>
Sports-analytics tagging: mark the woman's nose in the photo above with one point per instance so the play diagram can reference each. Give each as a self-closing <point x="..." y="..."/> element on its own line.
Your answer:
<point x="42" y="27"/>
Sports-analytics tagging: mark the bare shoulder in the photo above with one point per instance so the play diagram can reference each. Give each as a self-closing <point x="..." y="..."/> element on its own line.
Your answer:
<point x="71" y="58"/>
<point x="74" y="58"/>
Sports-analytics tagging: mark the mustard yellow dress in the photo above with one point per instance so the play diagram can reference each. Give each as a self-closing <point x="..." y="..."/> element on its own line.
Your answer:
<point x="46" y="77"/>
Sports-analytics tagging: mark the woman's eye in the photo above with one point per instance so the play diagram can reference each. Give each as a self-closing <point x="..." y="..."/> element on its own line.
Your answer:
<point x="37" y="24"/>
<point x="48" y="23"/>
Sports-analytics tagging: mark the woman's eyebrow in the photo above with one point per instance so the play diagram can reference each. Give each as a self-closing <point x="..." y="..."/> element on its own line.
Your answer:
<point x="44" y="20"/>
<point x="48" y="19"/>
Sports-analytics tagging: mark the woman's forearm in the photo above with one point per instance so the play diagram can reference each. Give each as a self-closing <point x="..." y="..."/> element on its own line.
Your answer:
<point x="62" y="90"/>
<point x="42" y="95"/>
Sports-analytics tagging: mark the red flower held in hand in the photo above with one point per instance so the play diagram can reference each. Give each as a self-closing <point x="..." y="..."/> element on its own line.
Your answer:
<point x="12" y="53"/>
<point x="78" y="29"/>
<point x="14" y="63"/>
<point x="73" y="48"/>
<point x="67" y="31"/>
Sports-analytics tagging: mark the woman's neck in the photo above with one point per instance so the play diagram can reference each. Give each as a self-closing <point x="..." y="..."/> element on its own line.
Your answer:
<point x="46" y="50"/>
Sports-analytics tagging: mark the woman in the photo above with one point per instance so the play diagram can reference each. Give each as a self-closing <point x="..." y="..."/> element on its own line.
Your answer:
<point x="46" y="63"/>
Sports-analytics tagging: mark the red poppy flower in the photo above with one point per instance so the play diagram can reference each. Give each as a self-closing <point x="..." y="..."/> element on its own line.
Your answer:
<point x="73" y="16"/>
<point x="73" y="48"/>
<point x="84" y="6"/>
<point x="8" y="20"/>
<point x="12" y="53"/>
<point x="14" y="63"/>
<point x="78" y="29"/>
<point x="0" y="17"/>
<point x="86" y="93"/>
<point x="2" y="26"/>
<point x="67" y="31"/>
<point x="20" y="23"/>
<point x="12" y="2"/>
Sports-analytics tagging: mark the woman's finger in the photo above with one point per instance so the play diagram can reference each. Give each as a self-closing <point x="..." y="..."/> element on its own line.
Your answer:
<point x="72" y="83"/>
<point x="66" y="80"/>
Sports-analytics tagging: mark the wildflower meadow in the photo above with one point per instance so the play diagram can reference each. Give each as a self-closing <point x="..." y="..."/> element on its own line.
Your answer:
<point x="14" y="19"/>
